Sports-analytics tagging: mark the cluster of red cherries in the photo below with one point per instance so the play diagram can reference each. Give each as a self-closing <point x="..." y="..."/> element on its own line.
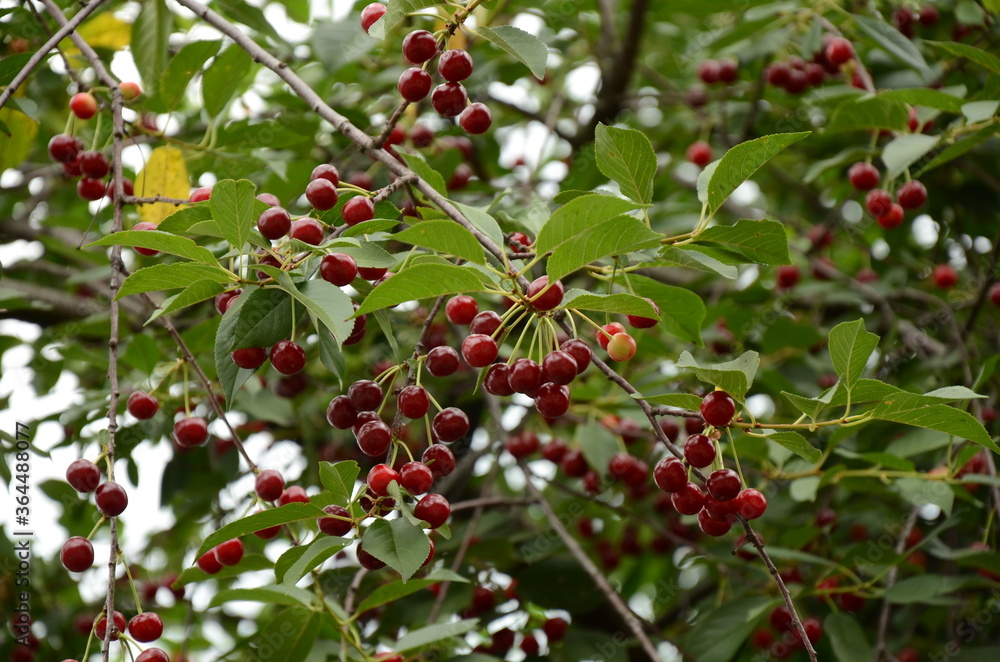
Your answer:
<point x="795" y="75"/>
<point x="888" y="214"/>
<point x="449" y="99"/>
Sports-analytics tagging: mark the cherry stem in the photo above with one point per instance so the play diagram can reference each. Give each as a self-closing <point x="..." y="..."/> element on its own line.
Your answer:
<point x="97" y="526"/>
<point x="131" y="584"/>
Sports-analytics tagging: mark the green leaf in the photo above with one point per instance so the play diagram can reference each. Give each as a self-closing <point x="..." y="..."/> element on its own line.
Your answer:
<point x="847" y="638"/>
<point x="904" y="151"/>
<point x="742" y="161"/>
<point x="615" y="236"/>
<point x="444" y="236"/>
<point x="231" y="376"/>
<point x="160" y="241"/>
<point x="671" y="256"/>
<point x="221" y="80"/>
<point x="150" y="34"/>
<point x="850" y="347"/>
<point x="422" y="282"/>
<point x="365" y="253"/>
<point x="718" y="635"/>
<point x="170" y="276"/>
<point x="687" y="401"/>
<point x="598" y="445"/>
<point x="626" y="156"/>
<point x="620" y="302"/>
<point x="433" y="633"/>
<point x="986" y="60"/>
<point x="397" y="543"/>
<point x="396" y="11"/>
<point x="921" y="492"/>
<point x="482" y="221"/>
<point x="734" y="377"/>
<point x="182" y="220"/>
<point x="760" y="242"/>
<point x="914" y="409"/>
<point x="264" y="318"/>
<point x="190" y="295"/>
<point x="325" y="301"/>
<point x="339" y="479"/>
<point x="233" y="209"/>
<point x="863" y="113"/>
<point x="313" y="556"/>
<point x="893" y="41"/>
<point x="979" y="111"/>
<point x="417" y="164"/>
<point x="250" y="563"/>
<point x="392" y="592"/>
<point x="925" y="96"/>
<point x="293" y="512"/>
<point x="270" y="594"/>
<point x="295" y="629"/>
<point x="332" y="356"/>
<point x="525" y="46"/>
<point x="182" y="68"/>
<point x="681" y="310"/>
<point x="961" y="147"/>
<point x="796" y="443"/>
<point x="11" y="66"/>
<point x="921" y="589"/>
<point x="576" y="216"/>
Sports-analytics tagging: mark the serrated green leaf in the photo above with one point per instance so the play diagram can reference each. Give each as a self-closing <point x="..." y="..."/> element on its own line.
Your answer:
<point x="719" y="634"/>
<point x="444" y="236"/>
<point x="525" y="46"/>
<point x="271" y="594"/>
<point x="760" y="242"/>
<point x="392" y="592"/>
<point x="742" y="161"/>
<point x="921" y="492"/>
<point x="422" y="282"/>
<point x="914" y="409"/>
<point x="923" y="588"/>
<point x="190" y="295"/>
<point x="150" y="34"/>
<point x="263" y="318"/>
<point x="11" y="66"/>
<point x="482" y="221"/>
<point x="626" y="156"/>
<point x="396" y="11"/>
<point x="160" y="241"/>
<point x="904" y="151"/>
<point x="979" y="111"/>
<point x="671" y="256"/>
<point x="850" y="347"/>
<point x="397" y="543"/>
<point x="418" y="165"/>
<point x="620" y="302"/>
<point x="796" y="443"/>
<point x="292" y="512"/>
<point x="339" y="479"/>
<point x="188" y="216"/>
<point x="222" y="79"/>
<point x="183" y="67"/>
<point x="296" y="628"/>
<point x="249" y="563"/>
<point x="688" y="401"/>
<point x="325" y="301"/>
<point x="893" y="41"/>
<point x="681" y="310"/>
<point x="960" y="147"/>
<point x="925" y="96"/>
<point x="734" y="377"/>
<point x="315" y="554"/>
<point x="234" y="210"/>
<point x="986" y="60"/>
<point x="576" y="216"/>
<point x="864" y="113"/>
<point x="615" y="236"/>
<point x="171" y="276"/>
<point x="598" y="445"/>
<point x="231" y="376"/>
<point x="433" y="633"/>
<point x="847" y="638"/>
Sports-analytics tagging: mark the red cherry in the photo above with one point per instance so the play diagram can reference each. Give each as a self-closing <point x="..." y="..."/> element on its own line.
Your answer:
<point x="450" y="424"/>
<point x="486" y="323"/>
<point x="269" y="199"/>
<point x="374" y="438"/>
<point x="419" y="46"/>
<point x="579" y="351"/>
<point x="414" y="84"/>
<point x="699" y="451"/>
<point x="307" y="230"/>
<point x="365" y="395"/>
<point x="929" y="16"/>
<point x="787" y="276"/>
<point x="224" y="300"/>
<point x="724" y="484"/>
<point x="64" y="148"/>
<point x="101" y="629"/>
<point x="995" y="294"/>
<point x="358" y="210"/>
<point x="711" y="526"/>
<point x="621" y="347"/>
<point x="379" y="478"/>
<point x="293" y="494"/>
<point x="525" y="376"/>
<point x="338" y="525"/>
<point x="552" y="297"/>
<point x="321" y="194"/>
<point x="708" y="72"/>
<point x="433" y="509"/>
<point x="77" y="554"/>
<point x="90" y="189"/>
<point x="421" y="136"/>
<point x="413" y="402"/>
<point x="274" y="223"/>
<point x="497" y="381"/>
<point x="442" y="361"/>
<point x="111" y="499"/>
<point x="699" y="153"/>
<point x="341" y="414"/>
<point x="522" y="444"/>
<point x="455" y="65"/>
<point x="368" y="561"/>
<point x="191" y="431"/>
<point x="555" y="629"/>
<point x="554" y="451"/>
<point x="892" y="218"/>
<point x="607" y="332"/>
<point x="83" y="105"/>
<point x="461" y="310"/>
<point x="552" y="400"/>
<point x="327" y="172"/>
<point x="838" y="51"/>
<point x="83" y="476"/>
<point x="637" y="322"/>
<point x="449" y="99"/>
<point x="797" y="82"/>
<point x="911" y="195"/>
<point x="142" y="405"/>
<point x="416" y="478"/>
<point x="371" y="14"/>
<point x="145" y="627"/>
<point x="479" y="350"/>
<point x="230" y="552"/>
<point x="94" y="165"/>
<point x="209" y="563"/>
<point x="339" y="269"/>
<point x="439" y="459"/>
<point x="372" y="273"/>
<point x="520" y="238"/>
<point x="201" y="194"/>
<point x="269" y="485"/>
<point x="476" y="119"/>
<point x="718" y="408"/>
<point x="396" y="136"/>
<point x="945" y="277"/>
<point x="670" y="475"/>
<point x="559" y="367"/>
<point x="863" y="176"/>
<point x="250" y="358"/>
<point x="688" y="500"/>
<point x="287" y="357"/>
<point x="153" y="655"/>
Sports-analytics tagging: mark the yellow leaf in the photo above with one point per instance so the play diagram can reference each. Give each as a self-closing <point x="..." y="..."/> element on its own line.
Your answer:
<point x="15" y="147"/>
<point x="165" y="174"/>
<point x="102" y="31"/>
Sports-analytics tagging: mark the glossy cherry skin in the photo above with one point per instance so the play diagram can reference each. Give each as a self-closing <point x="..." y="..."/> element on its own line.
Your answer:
<point x="83" y="476"/>
<point x="718" y="408"/>
<point x="433" y="509"/>
<point x="442" y="361"/>
<point x="269" y="484"/>
<point x="439" y="459"/>
<point x="416" y="478"/>
<point x="699" y="451"/>
<point x="338" y="525"/>
<point x="670" y="475"/>
<point x="77" y="554"/>
<point x="450" y="424"/>
<point x="552" y="297"/>
<point x="287" y="357"/>
<point x="229" y="552"/>
<point x="145" y="627"/>
<point x="111" y="499"/>
<point x="379" y="478"/>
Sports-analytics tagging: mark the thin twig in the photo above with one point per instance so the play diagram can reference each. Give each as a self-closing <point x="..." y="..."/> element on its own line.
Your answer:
<point x="890" y="581"/>
<point x="135" y="200"/>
